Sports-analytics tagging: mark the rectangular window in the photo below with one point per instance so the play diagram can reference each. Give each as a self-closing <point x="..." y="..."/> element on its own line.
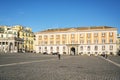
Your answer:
<point x="45" y="36"/>
<point x="57" y="42"/>
<point x="88" y="41"/>
<point x="103" y="34"/>
<point x="96" y="41"/>
<point x="63" y="42"/>
<point x="41" y="42"/>
<point x="72" y="35"/>
<point x="81" y="41"/>
<point x="111" y="47"/>
<point x="64" y="36"/>
<point x="40" y="37"/>
<point x="57" y="36"/>
<point x="52" y="36"/>
<point x="81" y="35"/>
<point x="95" y="34"/>
<point x="110" y="34"/>
<point x="45" y="42"/>
<point x="88" y="35"/>
<point x="103" y="41"/>
<point x="51" y="42"/>
<point x="111" y="40"/>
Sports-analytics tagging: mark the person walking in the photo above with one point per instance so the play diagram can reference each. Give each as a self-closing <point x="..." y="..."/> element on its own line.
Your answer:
<point x="59" y="56"/>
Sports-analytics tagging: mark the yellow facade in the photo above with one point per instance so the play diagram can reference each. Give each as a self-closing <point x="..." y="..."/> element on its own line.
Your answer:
<point x="86" y="36"/>
<point x="77" y="39"/>
<point x="118" y="43"/>
<point x="27" y="35"/>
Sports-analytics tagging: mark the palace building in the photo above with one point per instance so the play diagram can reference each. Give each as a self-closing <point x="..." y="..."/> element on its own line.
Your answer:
<point x="77" y="41"/>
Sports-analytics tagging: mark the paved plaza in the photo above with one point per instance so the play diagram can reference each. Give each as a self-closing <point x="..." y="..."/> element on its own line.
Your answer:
<point x="49" y="67"/>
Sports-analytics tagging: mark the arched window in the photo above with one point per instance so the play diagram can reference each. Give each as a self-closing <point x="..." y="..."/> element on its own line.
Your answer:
<point x="88" y="48"/>
<point x="111" y="47"/>
<point x="39" y="49"/>
<point x="81" y="47"/>
<point x="64" y="48"/>
<point x="51" y="48"/>
<point x="45" y="48"/>
<point x="96" y="48"/>
<point x="1" y="36"/>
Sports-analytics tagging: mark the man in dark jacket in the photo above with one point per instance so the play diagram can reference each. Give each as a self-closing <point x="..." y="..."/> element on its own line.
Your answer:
<point x="59" y="56"/>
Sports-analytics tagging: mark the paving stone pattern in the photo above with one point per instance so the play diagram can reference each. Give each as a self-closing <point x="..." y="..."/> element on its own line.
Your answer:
<point x="68" y="68"/>
<point x="115" y="59"/>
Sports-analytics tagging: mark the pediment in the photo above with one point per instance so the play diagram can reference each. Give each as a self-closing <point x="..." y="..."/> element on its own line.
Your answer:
<point x="72" y="30"/>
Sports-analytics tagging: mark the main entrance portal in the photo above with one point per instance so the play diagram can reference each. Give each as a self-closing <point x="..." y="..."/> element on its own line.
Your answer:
<point x="72" y="51"/>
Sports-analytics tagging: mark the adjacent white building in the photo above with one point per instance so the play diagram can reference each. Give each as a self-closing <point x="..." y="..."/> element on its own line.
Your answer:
<point x="9" y="41"/>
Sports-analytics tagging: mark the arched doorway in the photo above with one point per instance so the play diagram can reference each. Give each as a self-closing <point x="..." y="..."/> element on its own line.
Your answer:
<point x="72" y="51"/>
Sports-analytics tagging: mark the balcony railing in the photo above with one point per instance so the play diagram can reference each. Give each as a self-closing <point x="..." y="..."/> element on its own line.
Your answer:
<point x="12" y="38"/>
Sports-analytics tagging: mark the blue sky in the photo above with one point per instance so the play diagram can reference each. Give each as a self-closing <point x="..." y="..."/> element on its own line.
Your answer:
<point x="46" y="14"/>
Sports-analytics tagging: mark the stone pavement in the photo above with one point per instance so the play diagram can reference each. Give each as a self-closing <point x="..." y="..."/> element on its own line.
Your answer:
<point x="48" y="67"/>
<point x="115" y="58"/>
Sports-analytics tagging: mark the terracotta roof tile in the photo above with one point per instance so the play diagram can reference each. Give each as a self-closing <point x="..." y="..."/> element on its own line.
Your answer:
<point x="77" y="28"/>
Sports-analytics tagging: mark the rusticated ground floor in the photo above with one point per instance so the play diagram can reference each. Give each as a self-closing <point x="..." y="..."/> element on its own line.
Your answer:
<point x="76" y="49"/>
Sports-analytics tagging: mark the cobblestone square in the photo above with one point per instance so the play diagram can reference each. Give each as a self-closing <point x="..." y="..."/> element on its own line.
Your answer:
<point x="49" y="67"/>
<point x="115" y="58"/>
